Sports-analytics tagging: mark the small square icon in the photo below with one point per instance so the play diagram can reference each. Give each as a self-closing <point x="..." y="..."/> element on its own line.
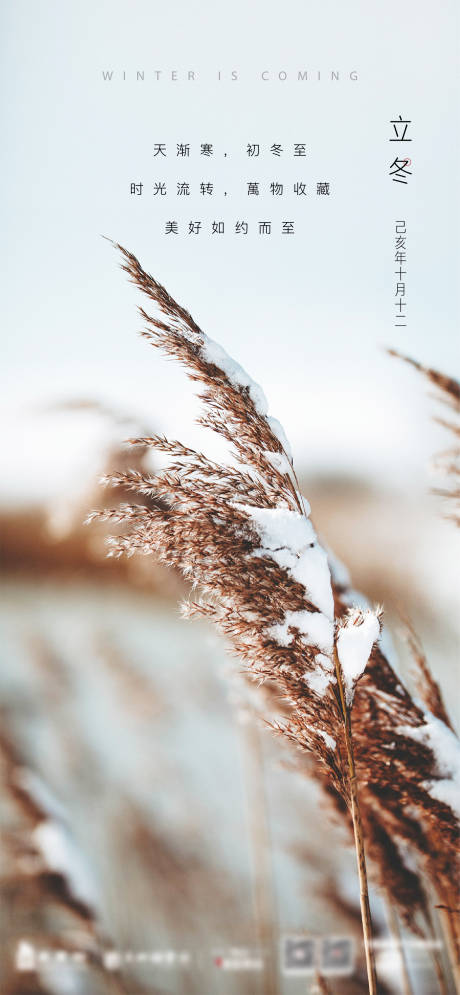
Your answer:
<point x="299" y="955"/>
<point x="337" y="955"/>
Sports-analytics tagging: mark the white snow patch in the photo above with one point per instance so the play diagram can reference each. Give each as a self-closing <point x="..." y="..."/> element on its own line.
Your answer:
<point x="278" y="461"/>
<point x="324" y="661"/>
<point x="278" y="430"/>
<point x="188" y="333"/>
<point x="214" y="353"/>
<point x="318" y="681"/>
<point x="60" y="854"/>
<point x="315" y="630"/>
<point x="323" y="675"/>
<point x="355" y="640"/>
<point x="329" y="740"/>
<point x="40" y="793"/>
<point x="290" y="540"/>
<point x="355" y="599"/>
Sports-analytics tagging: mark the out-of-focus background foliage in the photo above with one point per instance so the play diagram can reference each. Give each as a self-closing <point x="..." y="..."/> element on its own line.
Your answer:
<point x="143" y="732"/>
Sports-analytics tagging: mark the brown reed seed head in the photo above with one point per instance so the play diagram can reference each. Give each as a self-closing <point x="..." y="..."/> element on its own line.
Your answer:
<point x="40" y="828"/>
<point x="241" y="534"/>
<point x="427" y="687"/>
<point x="448" y="462"/>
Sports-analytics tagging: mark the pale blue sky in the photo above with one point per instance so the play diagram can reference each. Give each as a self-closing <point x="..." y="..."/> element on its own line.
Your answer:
<point x="308" y="316"/>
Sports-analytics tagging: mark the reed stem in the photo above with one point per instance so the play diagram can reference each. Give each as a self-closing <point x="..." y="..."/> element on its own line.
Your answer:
<point x="321" y="986"/>
<point x="450" y="937"/>
<point x="395" y="931"/>
<point x="439" y="972"/>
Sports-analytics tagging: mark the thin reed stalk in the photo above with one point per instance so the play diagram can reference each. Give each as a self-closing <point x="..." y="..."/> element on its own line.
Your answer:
<point x="436" y="935"/>
<point x="322" y="987"/>
<point x="395" y="931"/>
<point x="439" y="972"/>
<point x="448" y="927"/>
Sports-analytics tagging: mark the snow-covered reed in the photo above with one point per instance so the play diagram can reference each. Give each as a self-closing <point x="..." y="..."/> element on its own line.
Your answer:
<point x="242" y="535"/>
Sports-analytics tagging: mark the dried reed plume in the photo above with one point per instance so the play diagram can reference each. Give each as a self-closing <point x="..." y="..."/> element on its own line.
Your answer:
<point x="44" y="870"/>
<point x="448" y="392"/>
<point x="241" y="533"/>
<point x="427" y="687"/>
